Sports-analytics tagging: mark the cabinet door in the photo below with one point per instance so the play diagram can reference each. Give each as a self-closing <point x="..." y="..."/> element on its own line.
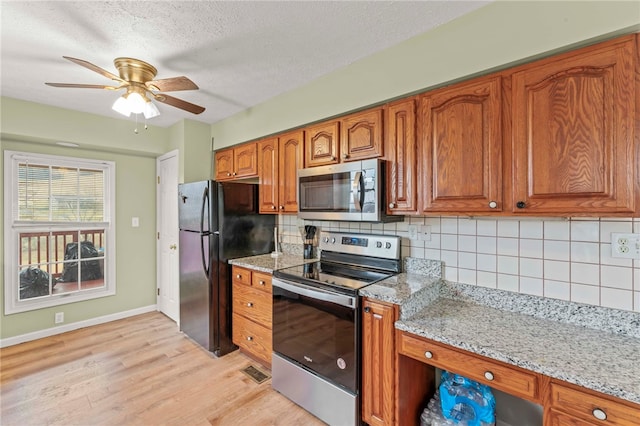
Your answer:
<point x="573" y="132"/>
<point x="361" y="136"/>
<point x="321" y="144"/>
<point x="378" y="349"/>
<point x="290" y="160"/>
<point x="462" y="147"/>
<point x="245" y="158"/>
<point x="268" y="175"/>
<point x="400" y="127"/>
<point x="224" y="164"/>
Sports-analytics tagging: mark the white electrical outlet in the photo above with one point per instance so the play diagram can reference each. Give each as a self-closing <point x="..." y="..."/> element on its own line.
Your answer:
<point x="625" y="245"/>
<point x="59" y="318"/>
<point x="412" y="230"/>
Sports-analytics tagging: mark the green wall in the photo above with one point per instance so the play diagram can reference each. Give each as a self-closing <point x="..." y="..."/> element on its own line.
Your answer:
<point x="501" y="33"/>
<point x="31" y="127"/>
<point x="135" y="247"/>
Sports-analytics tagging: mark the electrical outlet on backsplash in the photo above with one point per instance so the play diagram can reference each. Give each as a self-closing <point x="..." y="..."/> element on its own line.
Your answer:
<point x="566" y="259"/>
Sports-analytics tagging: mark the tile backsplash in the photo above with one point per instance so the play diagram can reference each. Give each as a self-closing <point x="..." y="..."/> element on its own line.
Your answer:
<point x="566" y="259"/>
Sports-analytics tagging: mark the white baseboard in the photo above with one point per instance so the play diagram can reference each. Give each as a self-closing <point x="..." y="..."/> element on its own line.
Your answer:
<point x="10" y="341"/>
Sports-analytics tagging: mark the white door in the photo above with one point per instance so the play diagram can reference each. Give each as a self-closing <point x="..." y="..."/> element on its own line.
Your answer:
<point x="167" y="218"/>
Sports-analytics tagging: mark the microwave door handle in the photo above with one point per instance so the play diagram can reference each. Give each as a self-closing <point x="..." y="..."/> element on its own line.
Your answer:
<point x="356" y="191"/>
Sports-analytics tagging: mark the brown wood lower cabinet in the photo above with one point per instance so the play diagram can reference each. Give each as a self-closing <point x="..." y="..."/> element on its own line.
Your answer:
<point x="378" y="352"/>
<point x="570" y="405"/>
<point x="252" y="313"/>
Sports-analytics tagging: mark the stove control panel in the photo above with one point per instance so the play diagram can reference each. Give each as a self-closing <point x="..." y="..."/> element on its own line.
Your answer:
<point x="385" y="246"/>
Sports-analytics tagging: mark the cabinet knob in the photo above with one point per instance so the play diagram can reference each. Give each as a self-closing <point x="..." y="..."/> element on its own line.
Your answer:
<point x="345" y="155"/>
<point x="273" y="207"/>
<point x="281" y="207"/>
<point x="488" y="375"/>
<point x="367" y="309"/>
<point x="238" y="276"/>
<point x="228" y="174"/>
<point x="493" y="204"/>
<point x="234" y="173"/>
<point x="249" y="305"/>
<point x="392" y="205"/>
<point x="599" y="414"/>
<point x="428" y="355"/>
<point x="249" y="338"/>
<point x="261" y="282"/>
<point x="521" y="204"/>
<point x="333" y="158"/>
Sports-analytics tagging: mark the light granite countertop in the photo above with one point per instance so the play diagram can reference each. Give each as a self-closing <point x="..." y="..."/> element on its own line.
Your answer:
<point x="594" y="347"/>
<point x="266" y="263"/>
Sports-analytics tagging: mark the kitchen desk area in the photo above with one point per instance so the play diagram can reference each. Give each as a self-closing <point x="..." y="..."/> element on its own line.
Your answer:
<point x="579" y="362"/>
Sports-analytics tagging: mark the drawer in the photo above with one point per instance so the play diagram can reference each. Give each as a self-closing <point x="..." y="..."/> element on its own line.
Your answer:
<point x="252" y="337"/>
<point x="498" y="375"/>
<point x="583" y="405"/>
<point x="241" y="275"/>
<point x="261" y="281"/>
<point x="256" y="305"/>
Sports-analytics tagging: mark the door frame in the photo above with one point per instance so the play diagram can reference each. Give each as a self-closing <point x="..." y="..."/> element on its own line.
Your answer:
<point x="175" y="153"/>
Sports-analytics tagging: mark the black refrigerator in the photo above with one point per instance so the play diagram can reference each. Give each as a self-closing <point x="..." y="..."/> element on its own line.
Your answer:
<point x="218" y="221"/>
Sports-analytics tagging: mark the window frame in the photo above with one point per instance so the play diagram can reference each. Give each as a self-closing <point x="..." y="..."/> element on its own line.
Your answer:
<point x="13" y="228"/>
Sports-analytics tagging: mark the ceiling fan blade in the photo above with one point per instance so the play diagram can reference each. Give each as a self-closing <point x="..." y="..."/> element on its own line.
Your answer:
<point x="83" y="86"/>
<point x="171" y="84"/>
<point x="178" y="103"/>
<point x="94" y="68"/>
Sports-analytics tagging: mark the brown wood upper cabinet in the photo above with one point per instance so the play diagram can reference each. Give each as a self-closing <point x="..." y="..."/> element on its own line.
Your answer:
<point x="461" y="140"/>
<point x="574" y="124"/>
<point x="278" y="162"/>
<point x="353" y="137"/>
<point x="321" y="144"/>
<point x="361" y="135"/>
<point x="401" y="153"/>
<point x="238" y="162"/>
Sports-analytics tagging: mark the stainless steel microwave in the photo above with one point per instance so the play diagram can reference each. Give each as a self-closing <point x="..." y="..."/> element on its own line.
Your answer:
<point x="351" y="191"/>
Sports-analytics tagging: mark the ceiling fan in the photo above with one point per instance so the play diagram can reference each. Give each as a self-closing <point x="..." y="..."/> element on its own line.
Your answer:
<point x="137" y="77"/>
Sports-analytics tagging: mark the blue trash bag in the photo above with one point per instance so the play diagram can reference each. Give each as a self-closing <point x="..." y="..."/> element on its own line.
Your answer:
<point x="466" y="401"/>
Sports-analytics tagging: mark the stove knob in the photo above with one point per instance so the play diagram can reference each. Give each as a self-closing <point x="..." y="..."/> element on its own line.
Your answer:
<point x="379" y="244"/>
<point x="387" y="245"/>
<point x="326" y="239"/>
<point x="333" y="241"/>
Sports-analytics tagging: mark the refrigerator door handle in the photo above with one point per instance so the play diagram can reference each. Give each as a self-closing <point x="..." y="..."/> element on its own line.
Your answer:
<point x="205" y="200"/>
<point x="205" y="267"/>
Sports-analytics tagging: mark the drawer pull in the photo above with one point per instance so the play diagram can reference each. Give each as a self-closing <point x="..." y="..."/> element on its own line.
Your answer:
<point x="249" y="338"/>
<point x="249" y="305"/>
<point x="488" y="375"/>
<point x="238" y="276"/>
<point x="599" y="414"/>
<point x="428" y="355"/>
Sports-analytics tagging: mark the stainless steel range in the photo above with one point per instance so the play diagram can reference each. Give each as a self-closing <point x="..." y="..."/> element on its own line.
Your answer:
<point x="316" y="323"/>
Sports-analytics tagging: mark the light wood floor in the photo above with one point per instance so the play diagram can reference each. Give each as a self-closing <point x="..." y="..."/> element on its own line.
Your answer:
<point x="136" y="371"/>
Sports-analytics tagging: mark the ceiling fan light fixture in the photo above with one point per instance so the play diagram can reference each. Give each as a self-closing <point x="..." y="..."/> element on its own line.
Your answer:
<point x="150" y="110"/>
<point x="121" y="105"/>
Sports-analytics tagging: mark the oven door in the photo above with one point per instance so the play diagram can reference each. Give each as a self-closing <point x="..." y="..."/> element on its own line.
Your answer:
<point x="317" y="330"/>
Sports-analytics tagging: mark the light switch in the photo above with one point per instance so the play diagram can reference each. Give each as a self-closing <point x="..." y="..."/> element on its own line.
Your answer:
<point x="135" y="222"/>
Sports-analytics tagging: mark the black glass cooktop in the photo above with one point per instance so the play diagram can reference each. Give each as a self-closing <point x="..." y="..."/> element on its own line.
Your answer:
<point x="338" y="275"/>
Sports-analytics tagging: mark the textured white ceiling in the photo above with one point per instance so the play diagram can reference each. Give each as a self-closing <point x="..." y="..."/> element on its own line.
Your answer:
<point x="240" y="53"/>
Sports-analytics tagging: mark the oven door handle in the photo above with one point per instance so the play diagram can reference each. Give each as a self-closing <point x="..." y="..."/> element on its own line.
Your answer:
<point x="304" y="290"/>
